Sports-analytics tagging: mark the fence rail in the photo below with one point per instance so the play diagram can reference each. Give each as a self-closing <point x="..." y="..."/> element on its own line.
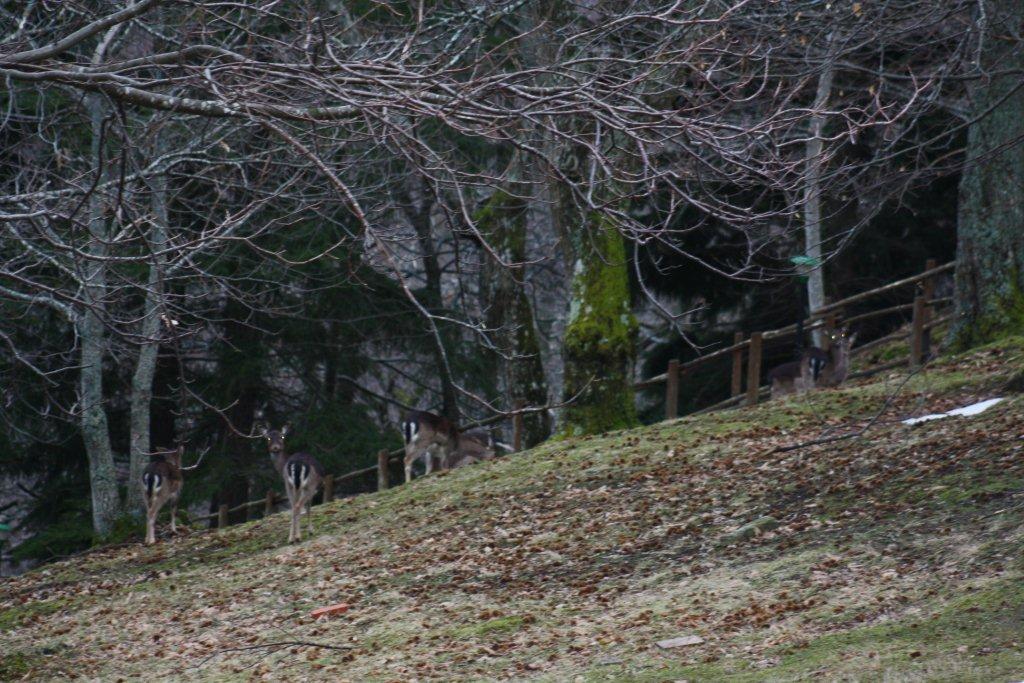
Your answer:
<point x="828" y="317"/>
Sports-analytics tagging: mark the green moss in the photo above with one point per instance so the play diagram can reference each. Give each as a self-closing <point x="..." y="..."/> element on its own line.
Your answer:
<point x="600" y="337"/>
<point x="485" y="628"/>
<point x="943" y="647"/>
<point x="1000" y="316"/>
<point x="16" y="665"/>
<point x="14" y="617"/>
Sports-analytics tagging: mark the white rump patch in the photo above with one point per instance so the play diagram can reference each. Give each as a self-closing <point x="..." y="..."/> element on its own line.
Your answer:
<point x="966" y="411"/>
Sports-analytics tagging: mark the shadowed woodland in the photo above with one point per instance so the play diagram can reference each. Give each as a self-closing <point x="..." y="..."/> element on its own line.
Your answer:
<point x="247" y="247"/>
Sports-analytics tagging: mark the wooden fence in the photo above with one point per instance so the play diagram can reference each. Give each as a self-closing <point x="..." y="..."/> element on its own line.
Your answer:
<point x="382" y="468"/>
<point x="829" y="317"/>
<point x="923" y="307"/>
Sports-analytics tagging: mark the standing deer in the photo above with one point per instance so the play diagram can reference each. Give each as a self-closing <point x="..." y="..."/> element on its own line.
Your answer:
<point x="427" y="436"/>
<point x="836" y="370"/>
<point x="302" y="473"/>
<point x="161" y="482"/>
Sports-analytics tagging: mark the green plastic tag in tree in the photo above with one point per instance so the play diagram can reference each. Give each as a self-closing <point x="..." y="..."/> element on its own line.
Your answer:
<point x="807" y="261"/>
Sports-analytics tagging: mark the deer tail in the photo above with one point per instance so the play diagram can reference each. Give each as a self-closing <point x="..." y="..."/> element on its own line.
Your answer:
<point x="409" y="429"/>
<point x="296" y="473"/>
<point x="151" y="482"/>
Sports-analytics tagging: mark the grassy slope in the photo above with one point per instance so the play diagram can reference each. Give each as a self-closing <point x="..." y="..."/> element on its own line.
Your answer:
<point x="898" y="556"/>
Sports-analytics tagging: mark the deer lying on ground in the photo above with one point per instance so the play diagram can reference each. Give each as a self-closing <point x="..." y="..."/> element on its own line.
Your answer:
<point x="472" y="446"/>
<point x="161" y="483"/>
<point x="793" y="377"/>
<point x="302" y="473"/>
<point x="816" y="367"/>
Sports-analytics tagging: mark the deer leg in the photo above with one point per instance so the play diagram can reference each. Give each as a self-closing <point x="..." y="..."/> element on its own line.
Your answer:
<point x="293" y="523"/>
<point x="428" y="456"/>
<point x="309" y="511"/>
<point x="297" y="521"/>
<point x="151" y="511"/>
<point x="408" y="467"/>
<point x="290" y="491"/>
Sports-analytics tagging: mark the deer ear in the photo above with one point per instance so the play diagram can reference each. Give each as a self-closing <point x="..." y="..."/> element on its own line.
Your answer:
<point x="181" y="450"/>
<point x="284" y="430"/>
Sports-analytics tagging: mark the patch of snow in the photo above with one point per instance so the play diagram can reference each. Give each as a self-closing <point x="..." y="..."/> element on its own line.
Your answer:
<point x="966" y="411"/>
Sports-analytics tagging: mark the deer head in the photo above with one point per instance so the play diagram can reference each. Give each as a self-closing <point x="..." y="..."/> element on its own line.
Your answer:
<point x="275" y="444"/>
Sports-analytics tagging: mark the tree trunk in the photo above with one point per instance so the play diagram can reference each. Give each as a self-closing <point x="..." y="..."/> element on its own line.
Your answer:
<point x="418" y="209"/>
<point x="812" y="200"/>
<point x="600" y="337"/>
<point x="145" y="365"/>
<point x="509" y="313"/>
<point x="989" y="294"/>
<point x="95" y="432"/>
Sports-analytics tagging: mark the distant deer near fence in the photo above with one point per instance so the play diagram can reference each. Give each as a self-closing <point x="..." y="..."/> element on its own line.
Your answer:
<point x="161" y="483"/>
<point x="816" y="367"/>
<point x="302" y="474"/>
<point x="427" y="436"/>
<point x="441" y="444"/>
<point x="472" y="446"/>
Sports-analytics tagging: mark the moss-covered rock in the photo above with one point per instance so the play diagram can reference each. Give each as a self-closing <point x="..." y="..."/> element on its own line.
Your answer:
<point x="600" y="337"/>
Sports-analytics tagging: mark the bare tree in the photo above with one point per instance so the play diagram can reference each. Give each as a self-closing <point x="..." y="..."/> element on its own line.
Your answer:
<point x="758" y="120"/>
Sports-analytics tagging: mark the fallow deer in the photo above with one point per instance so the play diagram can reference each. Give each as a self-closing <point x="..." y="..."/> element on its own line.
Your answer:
<point x="427" y="436"/>
<point x="302" y="473"/>
<point x="161" y="483"/>
<point x="790" y="378"/>
<point x="816" y="367"/>
<point x="836" y="370"/>
<point x="472" y="446"/>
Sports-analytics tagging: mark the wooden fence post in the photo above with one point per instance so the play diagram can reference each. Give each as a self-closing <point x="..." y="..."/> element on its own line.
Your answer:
<point x="672" y="390"/>
<point x="754" y="369"/>
<point x="517" y="426"/>
<point x="928" y="292"/>
<point x="917" y="335"/>
<point x="831" y="323"/>
<point x="737" y="366"/>
<point x="268" y="503"/>
<point x="328" y="488"/>
<point x="222" y="516"/>
<point x="382" y="470"/>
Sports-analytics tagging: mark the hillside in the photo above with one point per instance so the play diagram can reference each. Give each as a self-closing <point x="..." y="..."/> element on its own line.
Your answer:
<point x="896" y="556"/>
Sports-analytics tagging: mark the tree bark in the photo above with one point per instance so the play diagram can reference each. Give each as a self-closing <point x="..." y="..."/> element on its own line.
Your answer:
<point x="600" y="337"/>
<point x="812" y="199"/>
<point x="95" y="431"/>
<point x="145" y="365"/>
<point x="509" y="313"/>
<point x="989" y="294"/>
<point x="419" y="203"/>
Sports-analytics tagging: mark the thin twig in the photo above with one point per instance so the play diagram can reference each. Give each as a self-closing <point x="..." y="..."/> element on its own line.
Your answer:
<point x="278" y="644"/>
<point x="859" y="432"/>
